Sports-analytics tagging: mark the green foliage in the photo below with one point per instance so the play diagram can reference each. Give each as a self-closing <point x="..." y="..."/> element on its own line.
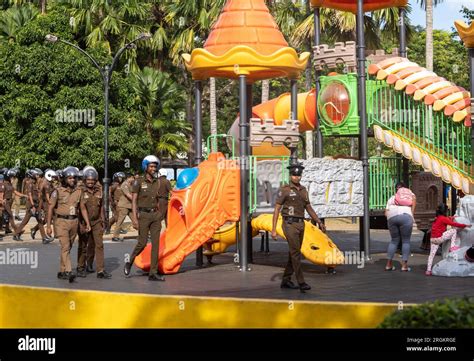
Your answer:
<point x="151" y="109"/>
<point x="449" y="313"/>
<point x="450" y="56"/>
<point x="38" y="79"/>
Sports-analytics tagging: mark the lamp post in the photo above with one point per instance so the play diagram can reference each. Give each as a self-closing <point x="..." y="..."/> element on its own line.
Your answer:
<point x="106" y="74"/>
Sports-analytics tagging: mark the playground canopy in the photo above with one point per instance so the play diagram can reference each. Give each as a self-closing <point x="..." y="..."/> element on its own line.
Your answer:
<point x="466" y="32"/>
<point x="245" y="40"/>
<point x="351" y="5"/>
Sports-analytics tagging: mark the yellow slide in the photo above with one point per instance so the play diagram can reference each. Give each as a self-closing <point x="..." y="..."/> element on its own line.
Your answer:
<point x="317" y="247"/>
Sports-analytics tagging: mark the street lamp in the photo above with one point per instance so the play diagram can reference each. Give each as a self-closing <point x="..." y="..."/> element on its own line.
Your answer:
<point x="106" y="74"/>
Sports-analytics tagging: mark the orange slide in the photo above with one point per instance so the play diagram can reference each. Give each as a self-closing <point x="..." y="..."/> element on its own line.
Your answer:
<point x="279" y="109"/>
<point x="196" y="211"/>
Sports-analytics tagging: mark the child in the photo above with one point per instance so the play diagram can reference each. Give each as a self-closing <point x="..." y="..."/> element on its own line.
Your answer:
<point x="439" y="234"/>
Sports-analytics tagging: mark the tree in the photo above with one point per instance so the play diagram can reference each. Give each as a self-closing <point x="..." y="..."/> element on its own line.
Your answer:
<point x="42" y="86"/>
<point x="341" y="26"/>
<point x="162" y="104"/>
<point x="102" y="23"/>
<point x="428" y="6"/>
<point x="450" y="57"/>
<point x="15" y="18"/>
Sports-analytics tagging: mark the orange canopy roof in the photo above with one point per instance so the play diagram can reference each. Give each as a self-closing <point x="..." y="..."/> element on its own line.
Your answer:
<point x="351" y="5"/>
<point x="245" y="40"/>
<point x="466" y="32"/>
<point x="245" y="22"/>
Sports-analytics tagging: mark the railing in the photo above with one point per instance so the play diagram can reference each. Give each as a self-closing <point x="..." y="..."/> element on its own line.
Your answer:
<point x="215" y="138"/>
<point x="431" y="131"/>
<point x="384" y="173"/>
<point x="253" y="194"/>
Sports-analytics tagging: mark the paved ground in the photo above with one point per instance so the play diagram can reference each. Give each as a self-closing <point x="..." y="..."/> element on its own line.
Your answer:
<point x="351" y="283"/>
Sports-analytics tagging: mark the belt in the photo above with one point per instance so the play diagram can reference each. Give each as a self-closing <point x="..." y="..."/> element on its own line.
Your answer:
<point x="147" y="210"/>
<point x="293" y="219"/>
<point x="66" y="217"/>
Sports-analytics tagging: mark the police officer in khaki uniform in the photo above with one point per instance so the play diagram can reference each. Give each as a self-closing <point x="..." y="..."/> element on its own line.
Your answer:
<point x="145" y="215"/>
<point x="66" y="203"/>
<point x="9" y="195"/>
<point x="2" y="202"/>
<point x="92" y="243"/>
<point x="16" y="199"/>
<point x="114" y="195"/>
<point x="293" y="200"/>
<point x="33" y="207"/>
<point x="124" y="207"/>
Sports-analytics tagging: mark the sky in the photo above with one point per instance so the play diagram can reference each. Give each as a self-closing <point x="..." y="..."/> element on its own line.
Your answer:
<point x="444" y="14"/>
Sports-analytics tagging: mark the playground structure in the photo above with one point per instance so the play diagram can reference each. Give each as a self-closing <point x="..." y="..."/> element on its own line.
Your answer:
<point x="421" y="116"/>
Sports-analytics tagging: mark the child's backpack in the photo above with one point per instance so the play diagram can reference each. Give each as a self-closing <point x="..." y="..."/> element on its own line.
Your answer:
<point x="404" y="197"/>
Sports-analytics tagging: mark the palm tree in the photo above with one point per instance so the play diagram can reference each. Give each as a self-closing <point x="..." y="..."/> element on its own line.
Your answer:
<point x="428" y="6"/>
<point x="341" y="26"/>
<point x="111" y="25"/>
<point x="188" y="24"/>
<point x="159" y="100"/>
<point x="41" y="3"/>
<point x="13" y="19"/>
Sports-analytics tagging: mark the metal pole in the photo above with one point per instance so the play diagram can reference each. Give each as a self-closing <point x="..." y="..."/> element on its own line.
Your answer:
<point x="471" y="67"/>
<point x="318" y="136"/>
<point x="363" y="143"/>
<point x="198" y="144"/>
<point x="106" y="180"/>
<point x="294" y="115"/>
<point x="244" y="199"/>
<point x="403" y="32"/>
<point x="403" y="53"/>
<point x="249" y="152"/>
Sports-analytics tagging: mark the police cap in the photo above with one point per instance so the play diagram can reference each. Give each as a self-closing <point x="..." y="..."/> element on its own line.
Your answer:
<point x="296" y="169"/>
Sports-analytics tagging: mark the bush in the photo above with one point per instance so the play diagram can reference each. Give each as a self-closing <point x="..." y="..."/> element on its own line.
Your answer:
<point x="448" y="313"/>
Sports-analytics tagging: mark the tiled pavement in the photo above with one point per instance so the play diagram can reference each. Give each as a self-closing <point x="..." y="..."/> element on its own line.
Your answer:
<point x="223" y="279"/>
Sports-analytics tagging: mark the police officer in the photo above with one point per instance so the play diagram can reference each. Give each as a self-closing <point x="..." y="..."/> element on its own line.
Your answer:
<point x="10" y="193"/>
<point x="91" y="243"/>
<point x="124" y="207"/>
<point x="33" y="208"/>
<point x="66" y="203"/>
<point x="16" y="199"/>
<point x="293" y="200"/>
<point x="145" y="215"/>
<point x="2" y="202"/>
<point x="114" y="195"/>
<point x="164" y="194"/>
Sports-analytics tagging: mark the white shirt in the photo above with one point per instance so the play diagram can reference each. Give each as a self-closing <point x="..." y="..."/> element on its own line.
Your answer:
<point x="394" y="210"/>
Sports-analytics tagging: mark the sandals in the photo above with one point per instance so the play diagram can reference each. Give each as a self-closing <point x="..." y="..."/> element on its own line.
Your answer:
<point x="390" y="269"/>
<point x="408" y="269"/>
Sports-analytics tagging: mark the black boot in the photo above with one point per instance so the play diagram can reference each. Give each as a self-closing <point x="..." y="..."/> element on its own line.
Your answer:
<point x="47" y="240"/>
<point x="304" y="287"/>
<point x="71" y="276"/>
<point x="81" y="273"/>
<point x="127" y="268"/>
<point x="90" y="269"/>
<point x="156" y="277"/>
<point x="104" y="274"/>
<point x="288" y="284"/>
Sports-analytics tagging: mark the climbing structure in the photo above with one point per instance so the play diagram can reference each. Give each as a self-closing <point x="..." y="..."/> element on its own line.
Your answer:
<point x="424" y="117"/>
